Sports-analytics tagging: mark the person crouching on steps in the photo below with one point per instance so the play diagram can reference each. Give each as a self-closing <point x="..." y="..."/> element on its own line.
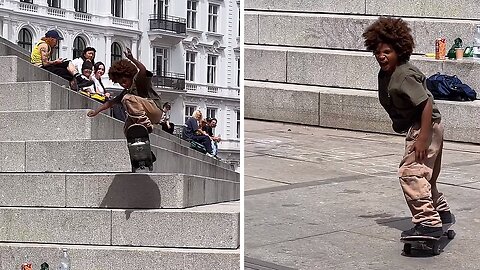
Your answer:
<point x="403" y="94"/>
<point x="141" y="102"/>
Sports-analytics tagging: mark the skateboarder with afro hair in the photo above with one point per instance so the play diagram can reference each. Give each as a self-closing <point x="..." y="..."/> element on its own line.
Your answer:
<point x="141" y="102"/>
<point x="403" y="94"/>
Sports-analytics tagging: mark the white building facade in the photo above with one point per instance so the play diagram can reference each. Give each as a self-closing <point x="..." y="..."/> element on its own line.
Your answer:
<point x="193" y="48"/>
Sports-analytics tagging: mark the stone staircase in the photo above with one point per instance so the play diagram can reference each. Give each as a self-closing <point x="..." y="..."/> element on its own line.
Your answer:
<point x="305" y="62"/>
<point x="66" y="182"/>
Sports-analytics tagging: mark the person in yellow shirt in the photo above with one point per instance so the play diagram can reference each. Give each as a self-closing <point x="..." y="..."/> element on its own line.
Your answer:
<point x="43" y="50"/>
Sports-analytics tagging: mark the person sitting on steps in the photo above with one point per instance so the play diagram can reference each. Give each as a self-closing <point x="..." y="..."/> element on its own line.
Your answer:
<point x="43" y="50"/>
<point x="165" y="121"/>
<point x="141" y="102"/>
<point x="88" y="54"/>
<point x="192" y="132"/>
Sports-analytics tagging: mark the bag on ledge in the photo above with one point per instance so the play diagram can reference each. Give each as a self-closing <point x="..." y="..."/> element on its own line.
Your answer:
<point x="450" y="88"/>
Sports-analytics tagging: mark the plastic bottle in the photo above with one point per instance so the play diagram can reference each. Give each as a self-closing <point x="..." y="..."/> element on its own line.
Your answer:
<point x="476" y="42"/>
<point x="64" y="261"/>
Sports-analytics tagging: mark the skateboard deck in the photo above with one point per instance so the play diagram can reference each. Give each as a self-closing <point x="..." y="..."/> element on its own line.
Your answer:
<point x="427" y="242"/>
<point x="138" y="142"/>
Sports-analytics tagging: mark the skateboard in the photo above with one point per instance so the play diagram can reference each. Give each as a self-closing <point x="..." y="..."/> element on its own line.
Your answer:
<point x="427" y="242"/>
<point x="138" y="142"/>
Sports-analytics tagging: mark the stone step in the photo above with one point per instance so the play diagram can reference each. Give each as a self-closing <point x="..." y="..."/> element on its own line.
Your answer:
<point x="12" y="255"/>
<point x="15" y="69"/>
<point x="208" y="226"/>
<point x="90" y="156"/>
<point x="344" y="69"/>
<point x="103" y="190"/>
<point x="347" y="109"/>
<point x="410" y="8"/>
<point x="339" y="31"/>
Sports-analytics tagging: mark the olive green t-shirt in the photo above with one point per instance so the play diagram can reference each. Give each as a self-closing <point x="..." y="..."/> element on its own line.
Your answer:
<point x="401" y="93"/>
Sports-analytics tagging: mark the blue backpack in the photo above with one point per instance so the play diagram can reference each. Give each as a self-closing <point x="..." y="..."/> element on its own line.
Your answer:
<point x="450" y="88"/>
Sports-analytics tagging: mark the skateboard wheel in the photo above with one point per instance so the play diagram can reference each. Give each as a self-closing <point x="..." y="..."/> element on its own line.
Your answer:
<point x="436" y="248"/>
<point x="407" y="248"/>
<point x="451" y="234"/>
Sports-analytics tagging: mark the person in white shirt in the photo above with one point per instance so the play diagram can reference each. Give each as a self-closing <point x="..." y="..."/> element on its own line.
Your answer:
<point x="88" y="53"/>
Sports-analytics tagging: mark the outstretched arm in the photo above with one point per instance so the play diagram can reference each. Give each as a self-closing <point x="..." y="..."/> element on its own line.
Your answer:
<point x="142" y="70"/>
<point x="101" y="108"/>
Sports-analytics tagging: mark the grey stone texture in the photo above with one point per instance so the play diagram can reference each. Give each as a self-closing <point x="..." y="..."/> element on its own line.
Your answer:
<point x="356" y="109"/>
<point x="210" y="226"/>
<point x="344" y="31"/>
<point x="125" y="258"/>
<point x="13" y="156"/>
<point x="145" y="191"/>
<point x="77" y="156"/>
<point x="348" y="6"/>
<point x="55" y="225"/>
<point x="466" y="9"/>
<point x="343" y="69"/>
<point x="265" y="64"/>
<point x="15" y="69"/>
<point x="47" y="190"/>
<point x="284" y="103"/>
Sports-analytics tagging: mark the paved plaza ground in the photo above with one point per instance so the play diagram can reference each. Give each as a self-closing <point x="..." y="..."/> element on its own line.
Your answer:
<point x="318" y="198"/>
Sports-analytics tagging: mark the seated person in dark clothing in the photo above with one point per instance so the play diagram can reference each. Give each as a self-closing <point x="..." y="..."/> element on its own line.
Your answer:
<point x="208" y="128"/>
<point x="193" y="132"/>
<point x="43" y="50"/>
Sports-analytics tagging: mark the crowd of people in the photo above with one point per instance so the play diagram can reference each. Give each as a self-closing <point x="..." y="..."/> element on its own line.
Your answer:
<point x="140" y="102"/>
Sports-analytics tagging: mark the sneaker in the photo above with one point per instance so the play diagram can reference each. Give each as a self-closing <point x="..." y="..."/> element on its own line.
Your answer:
<point x="209" y="155"/>
<point x="446" y="217"/>
<point x="420" y="230"/>
<point x="81" y="82"/>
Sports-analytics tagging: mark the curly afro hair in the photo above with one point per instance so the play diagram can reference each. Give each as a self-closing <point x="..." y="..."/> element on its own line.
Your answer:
<point x="122" y="69"/>
<point x="391" y="31"/>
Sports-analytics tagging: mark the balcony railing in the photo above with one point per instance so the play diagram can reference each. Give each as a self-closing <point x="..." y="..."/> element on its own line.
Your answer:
<point x="168" y="23"/>
<point x="122" y="22"/>
<point x="212" y="90"/>
<point x="56" y="12"/>
<point x="83" y="16"/>
<point x="27" y="7"/>
<point x="169" y="79"/>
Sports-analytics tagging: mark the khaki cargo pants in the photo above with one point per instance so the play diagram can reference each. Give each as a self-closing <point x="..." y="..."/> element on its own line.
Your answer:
<point x="419" y="180"/>
<point x="140" y="111"/>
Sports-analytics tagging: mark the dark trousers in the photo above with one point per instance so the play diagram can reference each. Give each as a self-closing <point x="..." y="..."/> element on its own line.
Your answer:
<point x="205" y="141"/>
<point x="168" y="129"/>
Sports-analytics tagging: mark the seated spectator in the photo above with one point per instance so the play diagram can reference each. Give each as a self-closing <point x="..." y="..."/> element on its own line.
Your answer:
<point x="208" y="128"/>
<point x="165" y="121"/>
<point x="98" y="71"/>
<point x="42" y="52"/>
<point x="88" y="54"/>
<point x="193" y="132"/>
<point x="86" y="74"/>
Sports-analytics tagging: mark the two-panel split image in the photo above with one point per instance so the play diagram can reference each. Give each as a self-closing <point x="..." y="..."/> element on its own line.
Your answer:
<point x="239" y="134"/>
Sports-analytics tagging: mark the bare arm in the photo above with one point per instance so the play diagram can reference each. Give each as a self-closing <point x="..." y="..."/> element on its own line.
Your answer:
<point x="101" y="108"/>
<point x="45" y="54"/>
<point x="142" y="70"/>
<point x="421" y="145"/>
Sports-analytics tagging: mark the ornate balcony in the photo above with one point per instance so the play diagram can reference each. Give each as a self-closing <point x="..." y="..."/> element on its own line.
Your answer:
<point x="171" y="80"/>
<point x="167" y="30"/>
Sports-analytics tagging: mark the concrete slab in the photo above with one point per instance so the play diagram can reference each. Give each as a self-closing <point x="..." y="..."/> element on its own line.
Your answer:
<point x="13" y="154"/>
<point x="144" y="191"/>
<point x="269" y="65"/>
<point x="128" y="258"/>
<point x="349" y="6"/>
<point x="425" y="8"/>
<point x="336" y="223"/>
<point x="55" y="225"/>
<point x="210" y="226"/>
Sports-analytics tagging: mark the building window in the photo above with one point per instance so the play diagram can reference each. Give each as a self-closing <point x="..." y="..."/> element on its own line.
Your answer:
<point x="54" y="3"/>
<point x="25" y="39"/>
<point x="192" y="14"/>
<point x="27" y="1"/>
<point x="160" y="60"/>
<point x="160" y="8"/>
<point x="190" y="67"/>
<point x="80" y="6"/>
<point x="79" y="45"/>
<point x="189" y="111"/>
<point x="117" y="8"/>
<point x="212" y="18"/>
<point x="238" y="72"/>
<point x="238" y="124"/>
<point x="116" y="52"/>
<point x="211" y="68"/>
<point x="211" y="112"/>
